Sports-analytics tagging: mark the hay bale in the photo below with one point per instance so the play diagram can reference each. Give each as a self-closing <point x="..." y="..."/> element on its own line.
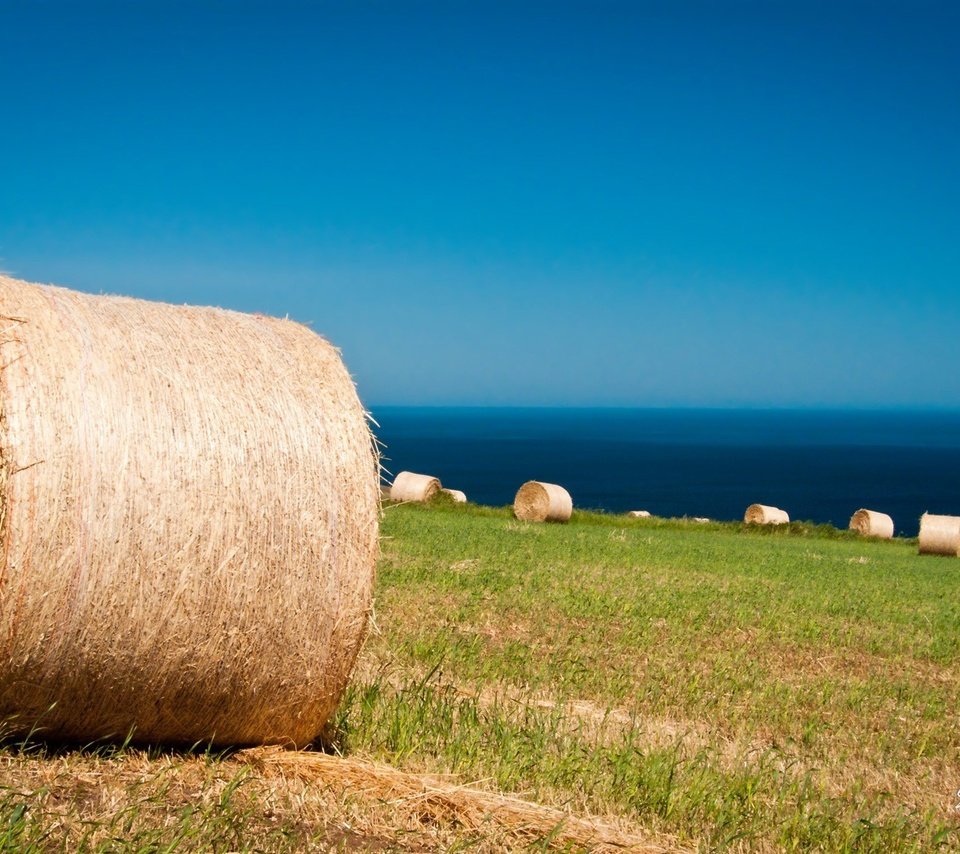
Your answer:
<point x="762" y="514"/>
<point x="409" y="486"/>
<point x="872" y="523"/>
<point x="457" y="496"/>
<point x="639" y="514"/>
<point x="189" y="521"/>
<point x="542" y="502"/>
<point x="385" y="491"/>
<point x="939" y="535"/>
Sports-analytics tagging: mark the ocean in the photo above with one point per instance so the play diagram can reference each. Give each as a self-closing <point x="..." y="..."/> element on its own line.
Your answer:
<point x="817" y="465"/>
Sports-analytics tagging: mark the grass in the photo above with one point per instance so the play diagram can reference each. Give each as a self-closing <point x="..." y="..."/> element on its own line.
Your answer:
<point x="717" y="686"/>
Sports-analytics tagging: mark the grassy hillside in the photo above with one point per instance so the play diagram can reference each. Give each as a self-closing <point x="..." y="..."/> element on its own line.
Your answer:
<point x="705" y="686"/>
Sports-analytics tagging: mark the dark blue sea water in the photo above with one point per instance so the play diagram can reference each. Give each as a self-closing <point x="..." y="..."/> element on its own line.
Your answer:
<point x="820" y="466"/>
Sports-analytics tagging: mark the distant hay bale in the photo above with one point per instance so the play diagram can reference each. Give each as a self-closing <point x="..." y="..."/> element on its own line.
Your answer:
<point x="872" y="523"/>
<point x="188" y="521"/>
<point x="385" y="491"/>
<point x="409" y="486"/>
<point x="457" y="496"/>
<point x="542" y="502"/>
<point x="762" y="514"/>
<point x="939" y="535"/>
<point x="702" y="520"/>
<point x="639" y="514"/>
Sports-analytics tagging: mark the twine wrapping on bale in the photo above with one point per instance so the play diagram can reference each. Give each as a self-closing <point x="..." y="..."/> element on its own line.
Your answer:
<point x="939" y="535"/>
<point x="190" y="517"/>
<point x="762" y="514"/>
<point x="408" y="486"/>
<point x="542" y="502"/>
<point x="872" y="523"/>
<point x="457" y="495"/>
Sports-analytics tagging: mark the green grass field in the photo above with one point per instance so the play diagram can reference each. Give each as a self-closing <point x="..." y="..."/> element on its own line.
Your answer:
<point x="706" y="685"/>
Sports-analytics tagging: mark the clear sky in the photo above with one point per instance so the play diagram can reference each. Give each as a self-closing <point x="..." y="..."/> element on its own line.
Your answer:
<point x="526" y="203"/>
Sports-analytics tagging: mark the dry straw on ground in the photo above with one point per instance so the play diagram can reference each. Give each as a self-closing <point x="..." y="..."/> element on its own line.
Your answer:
<point x="457" y="495"/>
<point x="542" y="502"/>
<point x="872" y="523"/>
<point x="190" y="514"/>
<point x="939" y="535"/>
<point x="762" y="514"/>
<point x="409" y="486"/>
<point x="431" y="796"/>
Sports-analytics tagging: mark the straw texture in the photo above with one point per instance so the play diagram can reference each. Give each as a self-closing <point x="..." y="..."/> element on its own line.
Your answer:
<point x="473" y="808"/>
<point x="762" y="514"/>
<point x="872" y="523"/>
<point x="542" y="502"/>
<point x="939" y="535"/>
<point x="409" y="486"/>
<point x="190" y="521"/>
<point x="458" y="496"/>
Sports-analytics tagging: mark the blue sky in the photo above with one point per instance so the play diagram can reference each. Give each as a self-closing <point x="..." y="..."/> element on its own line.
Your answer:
<point x="628" y="204"/>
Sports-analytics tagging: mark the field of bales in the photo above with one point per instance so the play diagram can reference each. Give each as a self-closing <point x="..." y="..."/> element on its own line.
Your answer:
<point x="613" y="682"/>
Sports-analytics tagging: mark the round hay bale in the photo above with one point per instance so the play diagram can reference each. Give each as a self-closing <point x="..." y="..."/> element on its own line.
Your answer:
<point x="639" y="514"/>
<point x="457" y="496"/>
<point x="762" y="514"/>
<point x="872" y="523"/>
<point x="939" y="535"/>
<point x="409" y="486"/>
<point x="189" y="521"/>
<point x="542" y="502"/>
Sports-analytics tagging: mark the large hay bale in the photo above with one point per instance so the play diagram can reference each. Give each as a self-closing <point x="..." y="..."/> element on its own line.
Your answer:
<point x="872" y="523"/>
<point x="762" y="514"/>
<point x="458" y="496"/>
<point x="409" y="486"/>
<point x="536" y="501"/>
<point x="939" y="535"/>
<point x="189" y="521"/>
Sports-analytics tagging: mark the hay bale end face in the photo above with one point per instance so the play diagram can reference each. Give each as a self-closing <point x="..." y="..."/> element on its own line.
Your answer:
<point x="456" y="495"/>
<point x="536" y="501"/>
<point x="188" y="521"/>
<point x="409" y="486"/>
<point x="939" y="535"/>
<point x="763" y="514"/>
<point x="872" y="523"/>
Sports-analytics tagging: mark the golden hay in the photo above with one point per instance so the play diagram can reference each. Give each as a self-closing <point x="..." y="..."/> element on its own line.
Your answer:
<point x="872" y="523"/>
<point x="762" y="514"/>
<point x="939" y="535"/>
<point x="542" y="502"/>
<point x="408" y="486"/>
<point x="190" y="521"/>
<point x="457" y="496"/>
<point x="472" y="808"/>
